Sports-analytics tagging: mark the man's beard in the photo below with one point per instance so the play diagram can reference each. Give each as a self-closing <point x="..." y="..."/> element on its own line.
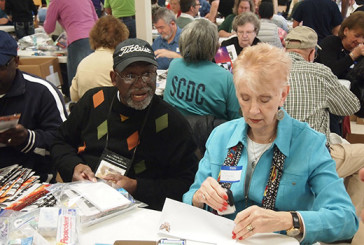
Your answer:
<point x="167" y="36"/>
<point x="141" y="105"/>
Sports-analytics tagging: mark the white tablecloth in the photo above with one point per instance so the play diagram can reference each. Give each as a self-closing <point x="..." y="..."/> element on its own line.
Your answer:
<point x="7" y="28"/>
<point x="142" y="224"/>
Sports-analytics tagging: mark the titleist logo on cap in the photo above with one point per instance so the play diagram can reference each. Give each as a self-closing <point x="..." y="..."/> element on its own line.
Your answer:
<point x="133" y="48"/>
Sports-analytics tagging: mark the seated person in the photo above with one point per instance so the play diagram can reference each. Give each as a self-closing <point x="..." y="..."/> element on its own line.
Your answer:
<point x="4" y="19"/>
<point x="129" y="120"/>
<point x="277" y="19"/>
<point x="269" y="31"/>
<point x="240" y="6"/>
<point x="165" y="46"/>
<point x="340" y="53"/>
<point x="189" y="10"/>
<point x="279" y="171"/>
<point x="195" y="85"/>
<point x="204" y="8"/>
<point x="246" y="26"/>
<point x="41" y="108"/>
<point x="94" y="70"/>
<point x="315" y="92"/>
<point x="175" y="6"/>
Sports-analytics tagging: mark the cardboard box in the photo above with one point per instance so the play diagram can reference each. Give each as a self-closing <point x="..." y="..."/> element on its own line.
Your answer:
<point x="355" y="138"/>
<point x="359" y="120"/>
<point x="45" y="67"/>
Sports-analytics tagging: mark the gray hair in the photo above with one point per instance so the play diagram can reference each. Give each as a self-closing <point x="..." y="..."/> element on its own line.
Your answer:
<point x="199" y="40"/>
<point x="165" y="14"/>
<point x="237" y="3"/>
<point x="247" y="17"/>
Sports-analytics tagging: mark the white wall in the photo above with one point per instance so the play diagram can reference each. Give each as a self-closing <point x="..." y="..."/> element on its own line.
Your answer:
<point x="143" y="17"/>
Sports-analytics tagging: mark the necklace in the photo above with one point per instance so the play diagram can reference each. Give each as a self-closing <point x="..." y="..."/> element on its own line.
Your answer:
<point x="255" y="151"/>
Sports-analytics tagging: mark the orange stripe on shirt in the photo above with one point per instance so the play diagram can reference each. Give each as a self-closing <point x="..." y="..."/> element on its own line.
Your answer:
<point x="132" y="140"/>
<point x="98" y="98"/>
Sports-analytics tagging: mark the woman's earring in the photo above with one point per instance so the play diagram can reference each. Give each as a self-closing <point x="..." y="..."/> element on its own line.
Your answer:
<point x="280" y="114"/>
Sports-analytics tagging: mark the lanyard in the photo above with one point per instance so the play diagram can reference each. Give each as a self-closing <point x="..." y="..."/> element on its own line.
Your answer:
<point x="141" y="128"/>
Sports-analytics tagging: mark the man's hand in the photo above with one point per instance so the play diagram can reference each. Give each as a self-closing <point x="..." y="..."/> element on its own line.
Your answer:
<point x="14" y="136"/>
<point x="159" y="53"/>
<point x="83" y="172"/>
<point x="122" y="181"/>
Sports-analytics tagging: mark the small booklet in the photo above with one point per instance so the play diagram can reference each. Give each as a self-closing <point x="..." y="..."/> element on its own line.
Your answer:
<point x="225" y="56"/>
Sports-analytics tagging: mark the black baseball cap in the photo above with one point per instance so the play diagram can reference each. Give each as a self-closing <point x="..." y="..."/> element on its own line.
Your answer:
<point x="132" y="50"/>
<point x="8" y="47"/>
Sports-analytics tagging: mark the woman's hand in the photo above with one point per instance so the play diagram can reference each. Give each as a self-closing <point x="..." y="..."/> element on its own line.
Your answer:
<point x="259" y="220"/>
<point x="357" y="52"/>
<point x="212" y="194"/>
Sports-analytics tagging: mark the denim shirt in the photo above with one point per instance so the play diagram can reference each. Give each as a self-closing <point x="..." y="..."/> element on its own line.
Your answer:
<point x="160" y="43"/>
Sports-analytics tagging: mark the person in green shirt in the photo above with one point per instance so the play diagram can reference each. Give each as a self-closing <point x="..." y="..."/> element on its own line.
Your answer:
<point x="123" y="10"/>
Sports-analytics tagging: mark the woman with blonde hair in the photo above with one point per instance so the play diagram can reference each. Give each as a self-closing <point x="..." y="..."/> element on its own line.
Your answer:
<point x="268" y="171"/>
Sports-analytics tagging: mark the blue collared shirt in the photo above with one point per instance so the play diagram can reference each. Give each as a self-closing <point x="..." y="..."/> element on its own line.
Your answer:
<point x="160" y="43"/>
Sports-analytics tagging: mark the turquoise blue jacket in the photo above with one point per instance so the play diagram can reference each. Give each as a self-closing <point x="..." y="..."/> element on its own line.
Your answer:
<point x="309" y="184"/>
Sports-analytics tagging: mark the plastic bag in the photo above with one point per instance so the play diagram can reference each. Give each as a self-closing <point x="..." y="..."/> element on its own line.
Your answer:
<point x="94" y="201"/>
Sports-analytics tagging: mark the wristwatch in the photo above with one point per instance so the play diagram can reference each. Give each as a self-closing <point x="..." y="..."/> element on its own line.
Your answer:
<point x="296" y="229"/>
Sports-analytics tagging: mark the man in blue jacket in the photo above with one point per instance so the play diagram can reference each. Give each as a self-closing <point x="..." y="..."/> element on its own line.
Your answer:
<point x="40" y="107"/>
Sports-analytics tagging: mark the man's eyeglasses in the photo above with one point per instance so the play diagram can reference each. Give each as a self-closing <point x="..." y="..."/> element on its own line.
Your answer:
<point x="4" y="67"/>
<point x="132" y="78"/>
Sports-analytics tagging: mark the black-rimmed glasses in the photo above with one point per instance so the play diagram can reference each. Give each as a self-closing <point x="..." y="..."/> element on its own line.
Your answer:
<point x="132" y="78"/>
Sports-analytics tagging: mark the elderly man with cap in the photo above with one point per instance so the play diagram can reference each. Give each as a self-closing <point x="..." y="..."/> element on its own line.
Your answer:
<point x="40" y="107"/>
<point x="150" y="140"/>
<point x="314" y="93"/>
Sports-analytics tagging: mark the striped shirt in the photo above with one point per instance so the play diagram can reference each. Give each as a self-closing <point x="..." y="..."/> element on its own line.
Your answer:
<point x="314" y="92"/>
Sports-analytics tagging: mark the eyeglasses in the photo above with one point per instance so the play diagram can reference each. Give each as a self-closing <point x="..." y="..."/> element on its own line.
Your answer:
<point x="243" y="33"/>
<point x="4" y="67"/>
<point x="132" y="78"/>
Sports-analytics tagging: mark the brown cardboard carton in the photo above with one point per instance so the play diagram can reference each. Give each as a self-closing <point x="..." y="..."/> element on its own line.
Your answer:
<point x="45" y="67"/>
<point x="355" y="138"/>
<point x="359" y="120"/>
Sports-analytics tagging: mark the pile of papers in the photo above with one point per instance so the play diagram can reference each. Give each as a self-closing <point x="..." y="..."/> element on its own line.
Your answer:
<point x="20" y="188"/>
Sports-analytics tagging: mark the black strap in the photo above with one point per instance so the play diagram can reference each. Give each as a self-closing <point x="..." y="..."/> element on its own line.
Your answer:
<point x="139" y="135"/>
<point x="276" y="171"/>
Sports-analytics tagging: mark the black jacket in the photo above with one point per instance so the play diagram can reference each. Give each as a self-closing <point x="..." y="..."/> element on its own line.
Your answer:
<point x="42" y="111"/>
<point x="165" y="162"/>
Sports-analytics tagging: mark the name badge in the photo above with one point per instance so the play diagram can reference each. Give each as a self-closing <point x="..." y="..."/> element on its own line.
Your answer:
<point x="112" y="163"/>
<point x="230" y="174"/>
<point x="177" y="49"/>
